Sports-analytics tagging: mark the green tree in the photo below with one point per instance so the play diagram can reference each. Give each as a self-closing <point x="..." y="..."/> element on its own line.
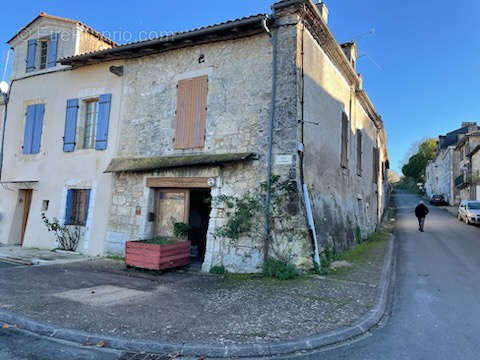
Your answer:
<point x="417" y="163"/>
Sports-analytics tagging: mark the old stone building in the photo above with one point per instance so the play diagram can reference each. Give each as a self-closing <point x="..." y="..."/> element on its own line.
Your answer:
<point x="219" y="110"/>
<point x="467" y="180"/>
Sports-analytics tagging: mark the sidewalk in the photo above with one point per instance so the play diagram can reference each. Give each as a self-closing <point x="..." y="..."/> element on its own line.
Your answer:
<point x="165" y="312"/>
<point x="32" y="256"/>
<point x="453" y="210"/>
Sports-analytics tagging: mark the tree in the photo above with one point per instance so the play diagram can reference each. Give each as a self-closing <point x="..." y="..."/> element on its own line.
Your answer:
<point x="393" y="177"/>
<point x="417" y="163"/>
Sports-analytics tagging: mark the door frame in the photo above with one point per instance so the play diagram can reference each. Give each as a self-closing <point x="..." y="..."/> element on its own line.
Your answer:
<point x="27" y="202"/>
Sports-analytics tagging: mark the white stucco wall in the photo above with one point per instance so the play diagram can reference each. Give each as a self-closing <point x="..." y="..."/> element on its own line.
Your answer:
<point x="53" y="169"/>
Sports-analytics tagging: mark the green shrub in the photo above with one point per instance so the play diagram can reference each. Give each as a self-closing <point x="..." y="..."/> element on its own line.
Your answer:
<point x="180" y="229"/>
<point x="160" y="240"/>
<point x="279" y="269"/>
<point x="218" y="270"/>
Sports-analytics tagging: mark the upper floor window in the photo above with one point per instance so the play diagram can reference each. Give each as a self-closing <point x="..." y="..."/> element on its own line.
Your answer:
<point x="359" y="152"/>
<point x="344" y="149"/>
<point x="33" y="129"/>
<point x="43" y="53"/>
<point x="191" y="113"/>
<point x="43" y="57"/>
<point x="92" y="129"/>
<point x="90" y="120"/>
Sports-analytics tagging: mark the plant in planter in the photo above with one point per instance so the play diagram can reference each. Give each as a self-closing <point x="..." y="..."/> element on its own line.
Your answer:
<point x="160" y="252"/>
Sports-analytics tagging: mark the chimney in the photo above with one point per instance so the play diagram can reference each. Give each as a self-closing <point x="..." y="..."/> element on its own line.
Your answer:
<point x="323" y="10"/>
<point x="351" y="52"/>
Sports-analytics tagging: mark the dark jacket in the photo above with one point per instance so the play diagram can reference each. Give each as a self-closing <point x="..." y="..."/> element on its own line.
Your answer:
<point x="421" y="211"/>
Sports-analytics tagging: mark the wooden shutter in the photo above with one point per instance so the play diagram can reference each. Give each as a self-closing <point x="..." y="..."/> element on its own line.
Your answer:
<point x="28" y="132"/>
<point x="31" y="53"/>
<point x="101" y="137"/>
<point x="359" y="152"/>
<point x="38" y="128"/>
<point x="68" y="211"/>
<point x="52" y="50"/>
<point x="375" y="165"/>
<point x="191" y="113"/>
<point x="70" y="125"/>
<point x="344" y="150"/>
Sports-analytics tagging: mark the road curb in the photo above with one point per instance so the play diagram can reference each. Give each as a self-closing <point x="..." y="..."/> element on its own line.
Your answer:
<point x="363" y="325"/>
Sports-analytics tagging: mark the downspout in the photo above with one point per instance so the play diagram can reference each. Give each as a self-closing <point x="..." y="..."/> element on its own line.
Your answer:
<point x="6" y="99"/>
<point x="270" y="142"/>
<point x="301" y="149"/>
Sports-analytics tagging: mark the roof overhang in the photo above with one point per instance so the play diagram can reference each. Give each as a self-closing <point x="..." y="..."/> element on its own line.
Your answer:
<point x="226" y="31"/>
<point x="145" y="164"/>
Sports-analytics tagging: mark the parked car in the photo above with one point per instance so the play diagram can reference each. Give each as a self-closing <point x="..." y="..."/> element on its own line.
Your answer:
<point x="437" y="200"/>
<point x="469" y="211"/>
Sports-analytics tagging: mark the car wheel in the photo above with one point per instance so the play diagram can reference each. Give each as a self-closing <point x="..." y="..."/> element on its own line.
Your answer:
<point x="467" y="221"/>
<point x="459" y="218"/>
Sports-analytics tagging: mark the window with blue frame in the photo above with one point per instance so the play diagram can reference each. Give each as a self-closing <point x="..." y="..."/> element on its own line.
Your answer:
<point x="33" y="129"/>
<point x="78" y="201"/>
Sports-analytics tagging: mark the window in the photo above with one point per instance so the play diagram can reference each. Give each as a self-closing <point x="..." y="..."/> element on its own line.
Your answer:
<point x="77" y="206"/>
<point x="375" y="164"/>
<point x="359" y="152"/>
<point x="191" y="113"/>
<point x="33" y="129"/>
<point x="43" y="54"/>
<point x="344" y="150"/>
<point x="91" y="117"/>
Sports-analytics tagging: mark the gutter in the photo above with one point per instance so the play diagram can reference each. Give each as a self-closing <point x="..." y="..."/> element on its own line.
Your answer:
<point x="270" y="143"/>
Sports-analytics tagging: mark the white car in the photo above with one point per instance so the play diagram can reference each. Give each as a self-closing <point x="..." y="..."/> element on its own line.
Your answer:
<point x="469" y="211"/>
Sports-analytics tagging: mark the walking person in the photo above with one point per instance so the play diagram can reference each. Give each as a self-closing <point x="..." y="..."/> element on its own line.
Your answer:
<point x="421" y="212"/>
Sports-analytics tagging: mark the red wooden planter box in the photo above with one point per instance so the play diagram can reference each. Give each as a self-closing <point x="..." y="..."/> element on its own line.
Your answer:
<point x="157" y="257"/>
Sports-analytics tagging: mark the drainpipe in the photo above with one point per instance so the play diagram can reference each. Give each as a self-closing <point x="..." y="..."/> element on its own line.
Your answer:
<point x="270" y="145"/>
<point x="6" y="97"/>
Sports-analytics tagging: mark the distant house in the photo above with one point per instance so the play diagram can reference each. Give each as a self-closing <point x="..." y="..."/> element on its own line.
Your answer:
<point x="191" y="117"/>
<point x="466" y="181"/>
<point x="444" y="170"/>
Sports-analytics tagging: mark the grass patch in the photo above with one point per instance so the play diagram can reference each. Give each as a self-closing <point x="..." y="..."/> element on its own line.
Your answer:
<point x="218" y="270"/>
<point x="360" y="254"/>
<point x="115" y="257"/>
<point x="279" y="269"/>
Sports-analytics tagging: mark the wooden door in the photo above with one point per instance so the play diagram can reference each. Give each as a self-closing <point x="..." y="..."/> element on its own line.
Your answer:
<point x="171" y="205"/>
<point x="27" y="200"/>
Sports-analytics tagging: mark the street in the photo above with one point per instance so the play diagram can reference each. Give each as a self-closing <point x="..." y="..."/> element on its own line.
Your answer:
<point x="437" y="300"/>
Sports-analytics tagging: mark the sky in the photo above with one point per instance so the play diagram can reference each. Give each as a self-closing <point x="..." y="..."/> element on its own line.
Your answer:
<point x="419" y="59"/>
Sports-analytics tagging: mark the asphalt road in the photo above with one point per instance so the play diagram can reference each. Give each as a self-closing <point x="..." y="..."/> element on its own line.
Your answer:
<point x="436" y="309"/>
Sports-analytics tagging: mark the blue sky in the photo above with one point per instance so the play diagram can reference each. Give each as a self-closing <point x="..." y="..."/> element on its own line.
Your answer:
<point x="421" y="66"/>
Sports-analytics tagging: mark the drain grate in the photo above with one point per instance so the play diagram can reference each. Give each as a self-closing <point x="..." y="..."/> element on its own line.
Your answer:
<point x="136" y="356"/>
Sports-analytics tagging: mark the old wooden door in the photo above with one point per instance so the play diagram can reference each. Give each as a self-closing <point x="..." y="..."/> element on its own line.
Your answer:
<point x="171" y="206"/>
<point x="27" y="200"/>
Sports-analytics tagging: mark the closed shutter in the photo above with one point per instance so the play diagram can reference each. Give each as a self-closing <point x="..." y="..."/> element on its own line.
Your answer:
<point x="31" y="53"/>
<point x="191" y="113"/>
<point x="28" y="132"/>
<point x="68" y="211"/>
<point x="52" y="50"/>
<point x="38" y="128"/>
<point x="375" y="165"/>
<point x="70" y="125"/>
<point x="344" y="150"/>
<point x="359" y="152"/>
<point x="87" y="204"/>
<point x="101" y="134"/>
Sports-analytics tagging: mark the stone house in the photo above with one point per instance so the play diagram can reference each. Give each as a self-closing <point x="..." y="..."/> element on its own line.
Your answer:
<point x="467" y="179"/>
<point x="442" y="172"/>
<point x="58" y="140"/>
<point x="475" y="166"/>
<point x="217" y="111"/>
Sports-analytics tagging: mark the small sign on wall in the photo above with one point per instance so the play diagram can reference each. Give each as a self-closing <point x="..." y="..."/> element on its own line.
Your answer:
<point x="283" y="159"/>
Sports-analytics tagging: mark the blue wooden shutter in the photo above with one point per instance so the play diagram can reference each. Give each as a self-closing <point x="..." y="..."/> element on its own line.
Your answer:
<point x="70" y="125"/>
<point x="101" y="134"/>
<point x="68" y="212"/>
<point x="87" y="204"/>
<point x="38" y="128"/>
<point x="28" y="133"/>
<point x="31" y="53"/>
<point x="52" y="50"/>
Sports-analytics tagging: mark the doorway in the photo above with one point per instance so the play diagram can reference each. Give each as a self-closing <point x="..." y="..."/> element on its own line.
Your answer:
<point x="26" y="195"/>
<point x="198" y="219"/>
